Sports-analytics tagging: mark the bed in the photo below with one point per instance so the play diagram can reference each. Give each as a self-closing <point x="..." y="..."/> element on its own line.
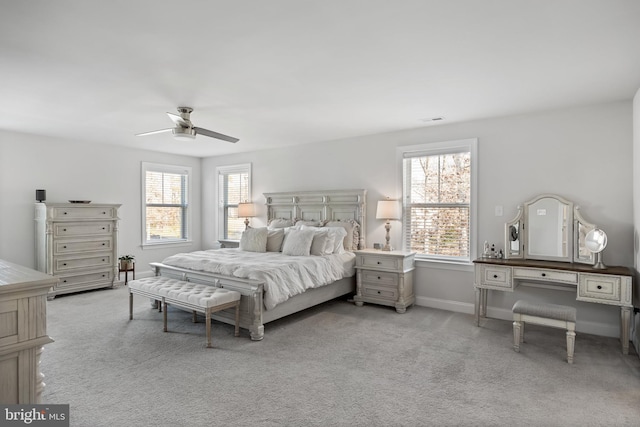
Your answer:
<point x="261" y="301"/>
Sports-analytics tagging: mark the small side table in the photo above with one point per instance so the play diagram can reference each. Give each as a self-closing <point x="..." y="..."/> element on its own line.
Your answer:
<point x="126" y="273"/>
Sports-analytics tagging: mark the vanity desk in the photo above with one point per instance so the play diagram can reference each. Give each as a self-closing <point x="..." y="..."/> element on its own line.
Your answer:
<point x="611" y="285"/>
<point x="550" y="244"/>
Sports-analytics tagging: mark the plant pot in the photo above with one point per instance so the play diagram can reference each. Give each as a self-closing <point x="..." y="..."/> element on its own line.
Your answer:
<point x="126" y="265"/>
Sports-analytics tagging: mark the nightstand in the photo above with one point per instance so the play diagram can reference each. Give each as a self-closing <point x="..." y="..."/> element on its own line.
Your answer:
<point x="385" y="277"/>
<point x="227" y="243"/>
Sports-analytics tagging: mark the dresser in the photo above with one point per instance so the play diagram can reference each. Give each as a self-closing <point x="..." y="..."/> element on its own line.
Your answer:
<point x="23" y="332"/>
<point x="385" y="277"/>
<point x="611" y="285"/>
<point x="77" y="243"/>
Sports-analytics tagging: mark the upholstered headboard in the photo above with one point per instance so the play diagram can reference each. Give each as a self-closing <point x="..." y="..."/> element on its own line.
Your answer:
<point x="326" y="205"/>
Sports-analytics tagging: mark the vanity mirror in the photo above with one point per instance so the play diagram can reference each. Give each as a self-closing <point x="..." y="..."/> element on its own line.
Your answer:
<point x="550" y="228"/>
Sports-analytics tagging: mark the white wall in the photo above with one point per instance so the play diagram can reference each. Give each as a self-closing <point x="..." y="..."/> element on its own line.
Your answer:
<point x="74" y="170"/>
<point x="583" y="154"/>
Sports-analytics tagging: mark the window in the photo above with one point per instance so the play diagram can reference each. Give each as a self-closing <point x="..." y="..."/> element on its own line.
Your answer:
<point x="439" y="200"/>
<point x="165" y="211"/>
<point x="234" y="187"/>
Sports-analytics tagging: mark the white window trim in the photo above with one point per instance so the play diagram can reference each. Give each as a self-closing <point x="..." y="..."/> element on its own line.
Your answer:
<point x="159" y="167"/>
<point x="434" y="148"/>
<point x="242" y="167"/>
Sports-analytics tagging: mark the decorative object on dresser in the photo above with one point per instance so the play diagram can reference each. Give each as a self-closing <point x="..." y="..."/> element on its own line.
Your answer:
<point x="595" y="241"/>
<point x="246" y="210"/>
<point x="23" y="331"/>
<point x="550" y="250"/>
<point x="77" y="243"/>
<point x="388" y="210"/>
<point x="41" y="195"/>
<point x="385" y="278"/>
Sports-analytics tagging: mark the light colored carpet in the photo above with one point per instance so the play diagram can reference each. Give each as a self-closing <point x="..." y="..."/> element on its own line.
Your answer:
<point x="333" y="365"/>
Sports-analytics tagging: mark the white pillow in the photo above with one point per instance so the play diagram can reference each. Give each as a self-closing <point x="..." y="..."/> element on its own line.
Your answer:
<point x="275" y="238"/>
<point x="339" y="234"/>
<point x="353" y="234"/>
<point x="323" y="239"/>
<point x="298" y="242"/>
<point x="254" y="240"/>
<point x="280" y="223"/>
<point x="308" y="223"/>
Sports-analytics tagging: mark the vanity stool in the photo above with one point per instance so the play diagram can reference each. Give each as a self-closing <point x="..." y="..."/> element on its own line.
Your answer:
<point x="554" y="315"/>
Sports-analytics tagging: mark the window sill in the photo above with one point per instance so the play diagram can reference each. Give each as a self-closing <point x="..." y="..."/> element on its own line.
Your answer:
<point x="173" y="243"/>
<point x="444" y="265"/>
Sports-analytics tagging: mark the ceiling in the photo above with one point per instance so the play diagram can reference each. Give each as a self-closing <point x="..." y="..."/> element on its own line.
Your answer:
<point x="283" y="72"/>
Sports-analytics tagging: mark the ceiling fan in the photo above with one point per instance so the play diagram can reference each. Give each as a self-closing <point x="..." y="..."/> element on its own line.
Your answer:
<point x="184" y="129"/>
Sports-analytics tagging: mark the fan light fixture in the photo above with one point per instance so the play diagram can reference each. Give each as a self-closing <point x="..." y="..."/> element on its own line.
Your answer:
<point x="388" y="209"/>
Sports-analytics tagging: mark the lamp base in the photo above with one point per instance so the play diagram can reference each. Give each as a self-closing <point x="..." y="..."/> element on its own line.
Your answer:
<point x="387" y="246"/>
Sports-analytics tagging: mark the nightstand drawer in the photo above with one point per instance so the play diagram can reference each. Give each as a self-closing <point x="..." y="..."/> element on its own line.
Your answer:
<point x="599" y="288"/>
<point x="379" y="278"/>
<point x="373" y="261"/>
<point x="380" y="292"/>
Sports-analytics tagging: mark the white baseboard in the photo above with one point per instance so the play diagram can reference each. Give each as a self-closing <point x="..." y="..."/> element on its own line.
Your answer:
<point x="601" y="329"/>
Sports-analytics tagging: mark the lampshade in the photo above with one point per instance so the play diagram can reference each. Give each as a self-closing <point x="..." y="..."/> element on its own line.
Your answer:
<point x="246" y="210"/>
<point x="389" y="209"/>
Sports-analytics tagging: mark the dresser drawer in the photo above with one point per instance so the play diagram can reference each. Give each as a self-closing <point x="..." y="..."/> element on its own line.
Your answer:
<point x="62" y="264"/>
<point x="378" y="278"/>
<point x="545" y="275"/>
<point x="81" y="279"/>
<point x="83" y="212"/>
<point x="65" y="246"/>
<point x="82" y="228"/>
<point x="599" y="288"/>
<point x="380" y="292"/>
<point x="496" y="276"/>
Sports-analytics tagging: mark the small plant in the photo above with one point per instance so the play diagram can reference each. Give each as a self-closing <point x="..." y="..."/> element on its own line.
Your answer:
<point x="126" y="262"/>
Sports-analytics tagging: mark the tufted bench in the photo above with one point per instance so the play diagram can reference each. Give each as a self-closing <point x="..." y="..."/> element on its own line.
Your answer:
<point x="198" y="298"/>
<point x="554" y="315"/>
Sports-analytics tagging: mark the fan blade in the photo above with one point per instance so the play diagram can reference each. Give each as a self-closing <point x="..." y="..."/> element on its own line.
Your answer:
<point x="212" y="134"/>
<point x="178" y="120"/>
<point x="154" y="131"/>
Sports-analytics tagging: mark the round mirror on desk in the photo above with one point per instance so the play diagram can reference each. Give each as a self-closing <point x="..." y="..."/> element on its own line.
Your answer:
<point x="595" y="241"/>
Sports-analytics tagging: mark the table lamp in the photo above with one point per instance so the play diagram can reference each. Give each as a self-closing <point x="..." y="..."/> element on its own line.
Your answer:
<point x="388" y="209"/>
<point x="246" y="210"/>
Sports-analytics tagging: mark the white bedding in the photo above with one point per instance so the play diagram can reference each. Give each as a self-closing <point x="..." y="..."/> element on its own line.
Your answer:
<point x="283" y="276"/>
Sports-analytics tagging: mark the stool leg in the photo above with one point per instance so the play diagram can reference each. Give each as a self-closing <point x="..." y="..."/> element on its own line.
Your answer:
<point x="208" y="327"/>
<point x="516" y="335"/>
<point x="237" y="330"/>
<point x="571" y="340"/>
<point x="164" y="314"/>
<point x="130" y="305"/>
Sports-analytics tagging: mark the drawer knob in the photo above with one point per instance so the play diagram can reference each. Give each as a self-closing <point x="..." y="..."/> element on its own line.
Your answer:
<point x="65" y="246"/>
<point x="378" y="262"/>
<point x="544" y="274"/>
<point x="378" y="277"/>
<point x="599" y="286"/>
<point x="103" y="244"/>
<point x="64" y="213"/>
<point x="104" y="213"/>
<point x="378" y="291"/>
<point x="495" y="276"/>
<point x="102" y="259"/>
<point x="104" y="228"/>
<point x="64" y="281"/>
<point x="64" y="229"/>
<point x="64" y="263"/>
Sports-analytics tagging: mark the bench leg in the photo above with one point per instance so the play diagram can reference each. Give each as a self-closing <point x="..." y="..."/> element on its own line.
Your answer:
<point x="571" y="341"/>
<point x="207" y="315"/>
<point x="237" y="330"/>
<point x="130" y="305"/>
<point x="194" y="319"/>
<point x="164" y="314"/>
<point x="516" y="335"/>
